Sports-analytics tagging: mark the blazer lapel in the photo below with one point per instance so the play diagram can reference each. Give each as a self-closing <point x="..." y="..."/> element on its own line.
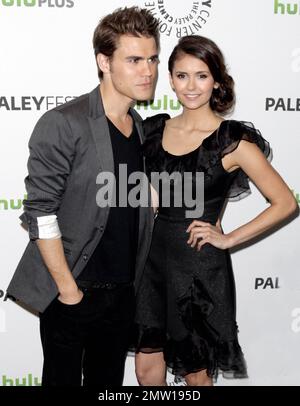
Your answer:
<point x="100" y="132"/>
<point x="146" y="217"/>
<point x="101" y="136"/>
<point x="138" y="121"/>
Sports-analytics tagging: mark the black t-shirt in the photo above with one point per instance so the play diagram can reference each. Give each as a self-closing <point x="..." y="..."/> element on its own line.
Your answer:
<point x="114" y="258"/>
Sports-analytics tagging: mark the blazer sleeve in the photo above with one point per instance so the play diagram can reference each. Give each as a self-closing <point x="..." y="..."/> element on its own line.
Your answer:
<point x="51" y="153"/>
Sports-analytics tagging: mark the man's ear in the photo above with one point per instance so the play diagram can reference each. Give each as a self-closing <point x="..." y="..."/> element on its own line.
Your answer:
<point x="103" y="63"/>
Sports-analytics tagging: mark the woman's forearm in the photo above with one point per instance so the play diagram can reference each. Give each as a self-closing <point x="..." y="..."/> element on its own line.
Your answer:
<point x="267" y="219"/>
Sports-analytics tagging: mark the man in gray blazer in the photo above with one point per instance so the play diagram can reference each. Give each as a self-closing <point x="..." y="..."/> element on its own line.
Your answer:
<point x="83" y="260"/>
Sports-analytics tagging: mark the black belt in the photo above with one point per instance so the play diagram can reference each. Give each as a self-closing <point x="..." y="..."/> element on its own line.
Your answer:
<point x="101" y="285"/>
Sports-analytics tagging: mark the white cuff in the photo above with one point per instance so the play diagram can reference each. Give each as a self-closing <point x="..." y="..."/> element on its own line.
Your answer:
<point x="48" y="227"/>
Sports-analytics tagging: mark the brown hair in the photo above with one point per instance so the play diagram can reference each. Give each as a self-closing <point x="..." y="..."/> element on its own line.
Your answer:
<point x="223" y="98"/>
<point x="128" y="20"/>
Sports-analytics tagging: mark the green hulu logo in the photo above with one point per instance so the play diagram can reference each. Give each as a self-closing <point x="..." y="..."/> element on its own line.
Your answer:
<point x="164" y="103"/>
<point x="286" y="8"/>
<point x="38" y="3"/>
<point x="19" y="3"/>
<point x="13" y="204"/>
<point x="28" y="380"/>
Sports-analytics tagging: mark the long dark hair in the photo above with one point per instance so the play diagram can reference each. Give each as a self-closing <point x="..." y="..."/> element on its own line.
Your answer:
<point x="223" y="98"/>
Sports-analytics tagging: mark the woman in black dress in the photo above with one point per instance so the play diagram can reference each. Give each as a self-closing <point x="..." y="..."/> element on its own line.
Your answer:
<point x="186" y="302"/>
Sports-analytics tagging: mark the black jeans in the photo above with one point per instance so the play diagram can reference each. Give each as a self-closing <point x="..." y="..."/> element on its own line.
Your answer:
<point x="89" y="339"/>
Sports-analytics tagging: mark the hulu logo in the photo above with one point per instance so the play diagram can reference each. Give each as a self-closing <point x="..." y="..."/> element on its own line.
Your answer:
<point x="286" y="8"/>
<point x="19" y="3"/>
<point x="39" y="3"/>
<point x="11" y="204"/>
<point x="28" y="380"/>
<point x="164" y="103"/>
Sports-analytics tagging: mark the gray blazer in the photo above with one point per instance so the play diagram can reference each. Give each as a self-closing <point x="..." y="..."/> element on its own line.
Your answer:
<point x="69" y="146"/>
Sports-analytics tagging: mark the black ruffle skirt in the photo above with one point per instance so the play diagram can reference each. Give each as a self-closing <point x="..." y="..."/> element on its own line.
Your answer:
<point x="186" y="305"/>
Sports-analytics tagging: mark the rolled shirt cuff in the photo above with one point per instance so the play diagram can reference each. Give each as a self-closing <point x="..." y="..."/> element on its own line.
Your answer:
<point x="48" y="228"/>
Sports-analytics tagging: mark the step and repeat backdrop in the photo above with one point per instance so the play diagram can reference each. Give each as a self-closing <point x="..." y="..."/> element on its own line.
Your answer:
<point x="46" y="59"/>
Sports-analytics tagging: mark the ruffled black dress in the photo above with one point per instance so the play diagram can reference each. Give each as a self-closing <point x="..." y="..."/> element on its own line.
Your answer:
<point x="186" y="301"/>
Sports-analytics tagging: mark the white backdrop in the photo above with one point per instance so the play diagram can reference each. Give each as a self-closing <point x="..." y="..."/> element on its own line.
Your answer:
<point x="46" y="57"/>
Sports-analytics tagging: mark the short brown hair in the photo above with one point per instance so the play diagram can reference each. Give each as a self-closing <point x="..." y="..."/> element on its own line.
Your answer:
<point x="223" y="98"/>
<point x="128" y="20"/>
